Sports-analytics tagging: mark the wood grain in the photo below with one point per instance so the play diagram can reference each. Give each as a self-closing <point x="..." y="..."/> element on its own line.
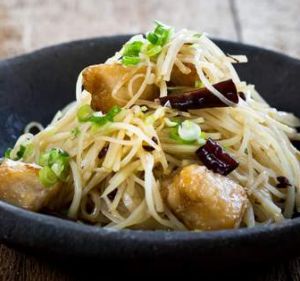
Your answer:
<point x="26" y="25"/>
<point x="273" y="24"/>
<point x="33" y="24"/>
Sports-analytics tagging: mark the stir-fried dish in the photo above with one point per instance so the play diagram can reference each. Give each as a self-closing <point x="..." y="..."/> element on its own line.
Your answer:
<point x="163" y="135"/>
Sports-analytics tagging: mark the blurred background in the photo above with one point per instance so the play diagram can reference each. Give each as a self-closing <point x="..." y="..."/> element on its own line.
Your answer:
<point x="26" y="25"/>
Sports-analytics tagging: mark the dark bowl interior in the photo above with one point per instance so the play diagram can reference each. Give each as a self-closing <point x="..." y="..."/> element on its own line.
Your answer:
<point x="35" y="86"/>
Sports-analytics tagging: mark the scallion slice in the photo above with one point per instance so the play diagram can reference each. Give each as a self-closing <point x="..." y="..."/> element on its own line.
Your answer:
<point x="161" y="34"/>
<point x="189" y="131"/>
<point x="47" y="177"/>
<point x="84" y="113"/>
<point x="132" y="49"/>
<point x="131" y="52"/>
<point x="153" y="50"/>
<point x="7" y="153"/>
<point x="127" y="61"/>
<point x="175" y="136"/>
<point x="19" y="154"/>
<point x="55" y="165"/>
<point x="108" y="117"/>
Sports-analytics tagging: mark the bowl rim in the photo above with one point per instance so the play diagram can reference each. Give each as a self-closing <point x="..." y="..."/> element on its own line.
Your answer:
<point x="153" y="235"/>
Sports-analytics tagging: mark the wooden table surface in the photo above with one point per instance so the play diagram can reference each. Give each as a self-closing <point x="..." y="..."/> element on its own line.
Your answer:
<point x="26" y="25"/>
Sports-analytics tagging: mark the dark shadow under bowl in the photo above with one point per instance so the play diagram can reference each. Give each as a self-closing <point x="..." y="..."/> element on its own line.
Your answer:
<point x="35" y="86"/>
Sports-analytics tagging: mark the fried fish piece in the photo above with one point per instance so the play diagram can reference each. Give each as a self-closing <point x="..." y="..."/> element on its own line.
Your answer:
<point x="100" y="80"/>
<point x="20" y="186"/>
<point x="204" y="200"/>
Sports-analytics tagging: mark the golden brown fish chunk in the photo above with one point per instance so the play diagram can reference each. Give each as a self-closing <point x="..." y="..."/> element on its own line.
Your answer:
<point x="204" y="200"/>
<point x="100" y="80"/>
<point x="20" y="186"/>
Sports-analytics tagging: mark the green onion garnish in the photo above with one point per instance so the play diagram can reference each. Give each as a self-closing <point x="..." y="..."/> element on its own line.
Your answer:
<point x="131" y="52"/>
<point x="60" y="170"/>
<point x="75" y="132"/>
<point x="7" y="153"/>
<point x="84" y="113"/>
<point x="55" y="163"/>
<point x="47" y="177"/>
<point x="161" y="34"/>
<point x="113" y="112"/>
<point x="127" y="61"/>
<point x="132" y="49"/>
<point x="108" y="117"/>
<point x="151" y="47"/>
<point x="153" y="50"/>
<point x="19" y="154"/>
<point x="187" y="132"/>
<point x="28" y="151"/>
<point x="175" y="136"/>
<point x="152" y="38"/>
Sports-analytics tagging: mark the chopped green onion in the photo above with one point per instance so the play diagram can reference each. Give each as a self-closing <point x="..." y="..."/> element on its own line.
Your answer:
<point x="99" y="120"/>
<point x="199" y="84"/>
<point x="161" y="34"/>
<point x="202" y="138"/>
<point x="84" y="113"/>
<point x="28" y="151"/>
<point x="152" y="38"/>
<point x="57" y="155"/>
<point x="203" y="135"/>
<point x="7" y="153"/>
<point x="189" y="131"/>
<point x="47" y="177"/>
<point x="21" y="152"/>
<point x="131" y="52"/>
<point x="175" y="136"/>
<point x="153" y="50"/>
<point x="60" y="170"/>
<point x="132" y="49"/>
<point x="44" y="159"/>
<point x="52" y="156"/>
<point x="126" y="60"/>
<point x="75" y="132"/>
<point x="108" y="117"/>
<point x="111" y="114"/>
<point x="57" y="161"/>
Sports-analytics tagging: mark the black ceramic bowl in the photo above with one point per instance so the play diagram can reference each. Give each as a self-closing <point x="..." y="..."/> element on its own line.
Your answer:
<point x="35" y="86"/>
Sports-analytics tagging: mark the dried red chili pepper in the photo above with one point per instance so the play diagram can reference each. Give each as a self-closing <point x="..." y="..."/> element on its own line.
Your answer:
<point x="215" y="158"/>
<point x="282" y="182"/>
<point x="202" y="98"/>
